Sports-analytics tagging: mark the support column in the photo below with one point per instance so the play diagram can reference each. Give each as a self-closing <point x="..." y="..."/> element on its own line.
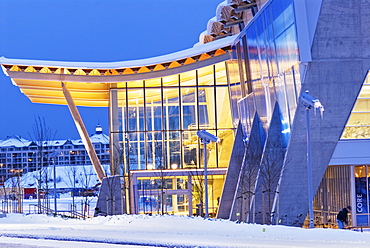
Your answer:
<point x="116" y="149"/>
<point x="83" y="133"/>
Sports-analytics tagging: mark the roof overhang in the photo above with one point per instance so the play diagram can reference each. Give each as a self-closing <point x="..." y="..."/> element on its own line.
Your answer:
<point x="89" y="82"/>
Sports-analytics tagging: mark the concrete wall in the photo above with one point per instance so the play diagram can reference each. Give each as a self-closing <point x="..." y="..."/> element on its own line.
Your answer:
<point x="110" y="199"/>
<point x="340" y="61"/>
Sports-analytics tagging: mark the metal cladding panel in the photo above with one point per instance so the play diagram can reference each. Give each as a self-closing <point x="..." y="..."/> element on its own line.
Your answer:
<point x="230" y="184"/>
<point x="248" y="174"/>
<point x="269" y="171"/>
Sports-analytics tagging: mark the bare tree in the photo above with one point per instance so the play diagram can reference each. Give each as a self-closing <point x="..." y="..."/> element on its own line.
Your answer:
<point x="86" y="178"/>
<point x="71" y="180"/>
<point x="247" y="182"/>
<point x="16" y="193"/>
<point x="269" y="174"/>
<point x="197" y="181"/>
<point x="42" y="136"/>
<point x="5" y="195"/>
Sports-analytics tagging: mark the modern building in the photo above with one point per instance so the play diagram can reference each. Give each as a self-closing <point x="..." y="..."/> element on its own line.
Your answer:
<point x="242" y="83"/>
<point x="19" y="155"/>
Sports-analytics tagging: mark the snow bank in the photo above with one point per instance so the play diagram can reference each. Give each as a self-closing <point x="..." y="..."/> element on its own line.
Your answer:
<point x="174" y="231"/>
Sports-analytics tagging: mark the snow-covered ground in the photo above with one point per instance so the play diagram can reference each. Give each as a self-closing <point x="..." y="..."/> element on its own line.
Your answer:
<point x="34" y="230"/>
<point x="164" y="231"/>
<point x="64" y="203"/>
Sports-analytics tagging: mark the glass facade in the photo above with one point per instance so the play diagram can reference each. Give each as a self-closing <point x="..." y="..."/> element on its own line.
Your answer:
<point x="345" y="185"/>
<point x="358" y="125"/>
<point x="184" y="195"/>
<point x="333" y="195"/>
<point x="266" y="68"/>
<point x="154" y="119"/>
<point x="158" y="120"/>
<point x="362" y="194"/>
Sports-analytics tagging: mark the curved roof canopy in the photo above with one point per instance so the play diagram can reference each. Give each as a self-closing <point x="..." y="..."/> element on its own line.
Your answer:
<point x="89" y="82"/>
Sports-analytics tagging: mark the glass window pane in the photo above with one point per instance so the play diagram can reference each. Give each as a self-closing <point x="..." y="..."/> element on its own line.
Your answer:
<point x="362" y="195"/>
<point x="173" y="150"/>
<point x="188" y="78"/>
<point x="206" y="75"/>
<point x="224" y="119"/>
<point x="206" y="97"/>
<point x="171" y="80"/>
<point x="155" y="155"/>
<point x="153" y="112"/>
<point x="171" y="109"/>
<point x="211" y="153"/>
<point x="189" y="110"/>
<point x="134" y="84"/>
<point x="254" y="64"/>
<point x="235" y="90"/>
<point x="291" y="94"/>
<point x="154" y="82"/>
<point x="221" y="78"/>
<point x="136" y="110"/>
<point x="136" y="151"/>
<point x="190" y="149"/>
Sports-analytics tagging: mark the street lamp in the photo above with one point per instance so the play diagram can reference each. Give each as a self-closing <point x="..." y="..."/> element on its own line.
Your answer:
<point x="310" y="102"/>
<point x="18" y="173"/>
<point x="206" y="138"/>
<point x="53" y="156"/>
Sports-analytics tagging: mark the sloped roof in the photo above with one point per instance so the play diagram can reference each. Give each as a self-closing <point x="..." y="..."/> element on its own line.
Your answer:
<point x="100" y="138"/>
<point x="14" y="141"/>
<point x="19" y="142"/>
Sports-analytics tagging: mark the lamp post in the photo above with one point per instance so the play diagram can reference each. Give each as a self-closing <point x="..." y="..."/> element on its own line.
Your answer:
<point x="53" y="156"/>
<point x="18" y="173"/>
<point x="310" y="102"/>
<point x="206" y="138"/>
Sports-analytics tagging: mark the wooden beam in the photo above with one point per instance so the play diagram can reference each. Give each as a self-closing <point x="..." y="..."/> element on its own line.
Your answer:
<point x="83" y="133"/>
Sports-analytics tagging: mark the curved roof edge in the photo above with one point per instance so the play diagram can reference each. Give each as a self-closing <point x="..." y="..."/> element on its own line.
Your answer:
<point x="194" y="51"/>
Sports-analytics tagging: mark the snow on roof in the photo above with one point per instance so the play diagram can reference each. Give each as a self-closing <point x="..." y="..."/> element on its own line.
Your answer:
<point x="14" y="141"/>
<point x="63" y="175"/>
<point x="196" y="50"/>
<point x="100" y="138"/>
<point x="54" y="142"/>
<point x="17" y="141"/>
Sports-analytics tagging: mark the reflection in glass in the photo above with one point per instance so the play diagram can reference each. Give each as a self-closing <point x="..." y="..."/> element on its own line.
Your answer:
<point x="159" y="120"/>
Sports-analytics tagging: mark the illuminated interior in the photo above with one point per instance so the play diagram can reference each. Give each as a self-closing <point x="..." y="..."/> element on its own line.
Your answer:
<point x="159" y="119"/>
<point x="358" y="125"/>
<point x="176" y="194"/>
<point x="362" y="177"/>
<point x="156" y="107"/>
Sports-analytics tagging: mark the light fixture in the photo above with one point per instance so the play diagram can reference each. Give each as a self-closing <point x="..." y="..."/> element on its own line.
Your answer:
<point x="206" y="138"/>
<point x="310" y="102"/>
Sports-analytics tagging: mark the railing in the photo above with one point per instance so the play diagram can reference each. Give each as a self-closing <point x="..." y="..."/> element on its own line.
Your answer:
<point x="40" y="209"/>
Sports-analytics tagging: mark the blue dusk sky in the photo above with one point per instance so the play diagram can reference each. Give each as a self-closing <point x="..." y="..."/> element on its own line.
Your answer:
<point x="88" y="30"/>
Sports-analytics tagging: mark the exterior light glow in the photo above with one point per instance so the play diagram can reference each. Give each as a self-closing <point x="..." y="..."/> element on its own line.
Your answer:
<point x="206" y="138"/>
